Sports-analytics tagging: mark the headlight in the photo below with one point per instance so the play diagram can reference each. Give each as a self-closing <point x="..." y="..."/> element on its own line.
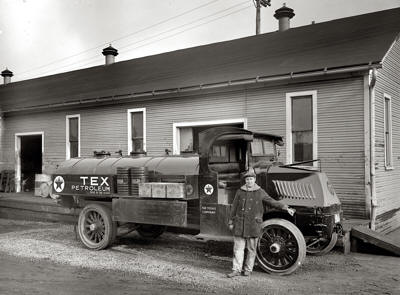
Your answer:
<point x="337" y="217"/>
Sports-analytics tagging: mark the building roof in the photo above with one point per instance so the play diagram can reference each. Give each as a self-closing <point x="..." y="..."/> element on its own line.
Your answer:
<point x="345" y="42"/>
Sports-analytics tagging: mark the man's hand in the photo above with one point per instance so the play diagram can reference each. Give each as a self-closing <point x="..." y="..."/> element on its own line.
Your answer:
<point x="231" y="227"/>
<point x="291" y="211"/>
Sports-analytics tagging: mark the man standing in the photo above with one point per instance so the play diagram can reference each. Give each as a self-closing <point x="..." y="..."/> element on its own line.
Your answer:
<point x="245" y="222"/>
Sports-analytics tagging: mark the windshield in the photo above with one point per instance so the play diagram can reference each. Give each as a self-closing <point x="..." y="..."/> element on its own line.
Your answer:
<point x="262" y="147"/>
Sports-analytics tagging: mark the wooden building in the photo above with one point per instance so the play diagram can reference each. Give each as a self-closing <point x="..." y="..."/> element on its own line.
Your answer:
<point x="331" y="89"/>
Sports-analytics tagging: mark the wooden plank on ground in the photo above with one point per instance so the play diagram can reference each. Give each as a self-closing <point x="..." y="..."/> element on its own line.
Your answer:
<point x="379" y="240"/>
<point x="20" y="214"/>
<point x="38" y="207"/>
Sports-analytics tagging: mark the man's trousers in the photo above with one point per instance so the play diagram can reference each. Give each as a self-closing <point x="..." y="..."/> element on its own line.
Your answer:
<point x="240" y="244"/>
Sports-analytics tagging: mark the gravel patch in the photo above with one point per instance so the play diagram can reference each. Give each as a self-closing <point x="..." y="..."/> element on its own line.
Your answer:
<point x="199" y="265"/>
<point x="57" y="244"/>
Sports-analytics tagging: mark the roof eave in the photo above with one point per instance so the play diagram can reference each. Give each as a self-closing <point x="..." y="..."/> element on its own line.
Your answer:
<point x="245" y="81"/>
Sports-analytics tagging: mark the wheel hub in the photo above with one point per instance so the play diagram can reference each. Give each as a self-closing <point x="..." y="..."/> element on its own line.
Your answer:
<point x="275" y="247"/>
<point x="93" y="227"/>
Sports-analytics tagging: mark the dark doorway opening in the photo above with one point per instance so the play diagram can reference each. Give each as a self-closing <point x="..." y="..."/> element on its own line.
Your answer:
<point x="31" y="161"/>
<point x="189" y="136"/>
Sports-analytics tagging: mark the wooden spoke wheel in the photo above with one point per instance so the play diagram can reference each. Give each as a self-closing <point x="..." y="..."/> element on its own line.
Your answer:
<point x="151" y="231"/>
<point x="281" y="248"/>
<point x="321" y="245"/>
<point x="95" y="227"/>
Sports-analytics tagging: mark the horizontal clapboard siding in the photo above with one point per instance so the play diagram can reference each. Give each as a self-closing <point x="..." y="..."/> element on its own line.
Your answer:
<point x="163" y="113"/>
<point x="388" y="181"/>
<point x="340" y="105"/>
<point x="340" y="127"/>
<point x="53" y="126"/>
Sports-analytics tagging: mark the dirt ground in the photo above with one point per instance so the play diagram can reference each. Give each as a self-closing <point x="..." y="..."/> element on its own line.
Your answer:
<point x="46" y="258"/>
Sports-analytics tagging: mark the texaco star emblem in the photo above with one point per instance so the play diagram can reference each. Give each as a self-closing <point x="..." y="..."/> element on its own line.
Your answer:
<point x="59" y="184"/>
<point x="208" y="189"/>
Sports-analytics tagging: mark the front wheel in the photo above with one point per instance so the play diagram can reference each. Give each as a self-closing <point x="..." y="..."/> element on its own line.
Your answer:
<point x="281" y="248"/>
<point x="95" y="227"/>
<point x="321" y="245"/>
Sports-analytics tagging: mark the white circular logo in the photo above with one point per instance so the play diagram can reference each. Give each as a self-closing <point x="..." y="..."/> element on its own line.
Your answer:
<point x="208" y="189"/>
<point x="59" y="184"/>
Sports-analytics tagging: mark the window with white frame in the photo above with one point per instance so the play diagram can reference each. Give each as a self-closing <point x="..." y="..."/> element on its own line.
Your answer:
<point x="388" y="131"/>
<point x="136" y="130"/>
<point x="73" y="136"/>
<point x="186" y="134"/>
<point x="301" y="126"/>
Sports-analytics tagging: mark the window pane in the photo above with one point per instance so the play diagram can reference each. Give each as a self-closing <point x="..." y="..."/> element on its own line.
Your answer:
<point x="186" y="139"/>
<point x="387" y="150"/>
<point x="219" y="153"/>
<point x="268" y="148"/>
<point x="137" y="131"/>
<point x="216" y="151"/>
<point x="388" y="141"/>
<point x="302" y="146"/>
<point x="257" y="147"/>
<point x="137" y="125"/>
<point x="223" y="151"/>
<point x="232" y="154"/>
<point x="261" y="147"/>
<point x="302" y="113"/>
<point x="73" y="149"/>
<point x="387" y="119"/>
<point x="137" y="145"/>
<point x="73" y="129"/>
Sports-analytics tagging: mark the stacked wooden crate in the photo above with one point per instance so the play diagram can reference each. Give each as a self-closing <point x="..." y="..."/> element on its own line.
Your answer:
<point x="7" y="181"/>
<point x="162" y="190"/>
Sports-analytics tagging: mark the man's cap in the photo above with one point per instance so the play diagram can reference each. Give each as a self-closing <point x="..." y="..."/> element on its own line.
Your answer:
<point x="250" y="173"/>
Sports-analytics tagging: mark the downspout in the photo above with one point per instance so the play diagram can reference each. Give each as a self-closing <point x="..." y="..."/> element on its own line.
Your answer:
<point x="374" y="202"/>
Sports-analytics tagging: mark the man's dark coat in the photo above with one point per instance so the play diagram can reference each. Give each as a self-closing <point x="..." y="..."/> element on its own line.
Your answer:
<point x="248" y="209"/>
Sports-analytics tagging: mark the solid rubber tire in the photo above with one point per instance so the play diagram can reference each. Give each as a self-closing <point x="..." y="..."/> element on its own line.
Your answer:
<point x="326" y="249"/>
<point x="110" y="227"/>
<point x="301" y="246"/>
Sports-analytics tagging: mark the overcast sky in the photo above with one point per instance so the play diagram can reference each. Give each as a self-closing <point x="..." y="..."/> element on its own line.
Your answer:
<point x="44" y="37"/>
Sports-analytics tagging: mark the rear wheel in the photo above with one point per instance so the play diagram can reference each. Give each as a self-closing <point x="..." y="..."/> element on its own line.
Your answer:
<point x="95" y="227"/>
<point x="321" y="245"/>
<point x="281" y="248"/>
<point x="151" y="231"/>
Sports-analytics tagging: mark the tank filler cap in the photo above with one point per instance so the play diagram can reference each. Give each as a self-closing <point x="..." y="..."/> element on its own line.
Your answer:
<point x="101" y="154"/>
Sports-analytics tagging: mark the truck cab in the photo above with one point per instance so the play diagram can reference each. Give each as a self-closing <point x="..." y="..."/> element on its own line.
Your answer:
<point x="228" y="152"/>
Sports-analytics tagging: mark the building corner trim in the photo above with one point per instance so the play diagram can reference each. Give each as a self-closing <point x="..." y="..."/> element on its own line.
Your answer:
<point x="373" y="199"/>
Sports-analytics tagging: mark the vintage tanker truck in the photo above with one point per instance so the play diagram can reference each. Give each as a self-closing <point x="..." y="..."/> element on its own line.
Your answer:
<point x="195" y="191"/>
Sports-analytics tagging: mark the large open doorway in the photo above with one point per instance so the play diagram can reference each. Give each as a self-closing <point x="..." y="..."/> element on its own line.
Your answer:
<point x="185" y="134"/>
<point x="29" y="160"/>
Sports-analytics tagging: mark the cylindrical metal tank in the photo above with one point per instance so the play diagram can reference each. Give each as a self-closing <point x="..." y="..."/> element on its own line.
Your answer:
<point x="168" y="165"/>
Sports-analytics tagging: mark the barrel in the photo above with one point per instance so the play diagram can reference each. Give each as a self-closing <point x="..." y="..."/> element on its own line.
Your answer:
<point x="137" y="175"/>
<point x="42" y="185"/>
<point x="123" y="181"/>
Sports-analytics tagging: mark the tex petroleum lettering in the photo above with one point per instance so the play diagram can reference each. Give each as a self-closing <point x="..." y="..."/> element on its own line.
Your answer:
<point x="94" y="184"/>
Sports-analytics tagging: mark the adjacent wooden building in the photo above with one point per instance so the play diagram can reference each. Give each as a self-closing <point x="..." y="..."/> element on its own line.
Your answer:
<point x="331" y="89"/>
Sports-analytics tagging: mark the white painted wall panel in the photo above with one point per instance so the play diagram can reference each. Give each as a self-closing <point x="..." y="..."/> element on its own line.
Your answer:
<point x="388" y="181"/>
